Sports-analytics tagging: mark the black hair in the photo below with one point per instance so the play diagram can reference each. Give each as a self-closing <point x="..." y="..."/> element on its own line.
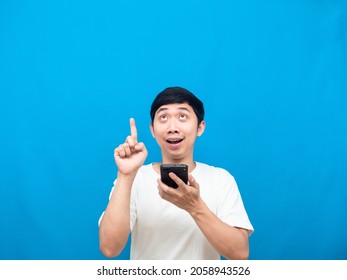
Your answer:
<point x="172" y="95"/>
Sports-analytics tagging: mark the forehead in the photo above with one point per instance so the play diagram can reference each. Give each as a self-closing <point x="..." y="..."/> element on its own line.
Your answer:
<point x="175" y="107"/>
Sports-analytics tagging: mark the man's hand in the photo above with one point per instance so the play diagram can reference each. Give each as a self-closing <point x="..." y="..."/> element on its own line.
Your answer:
<point x="185" y="196"/>
<point x="230" y="242"/>
<point x="130" y="155"/>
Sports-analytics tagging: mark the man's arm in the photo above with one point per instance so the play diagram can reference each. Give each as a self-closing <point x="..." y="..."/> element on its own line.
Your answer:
<point x="115" y="224"/>
<point x="229" y="241"/>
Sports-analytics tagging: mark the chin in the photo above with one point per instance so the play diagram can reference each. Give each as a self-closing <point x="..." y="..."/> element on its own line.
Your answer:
<point x="177" y="157"/>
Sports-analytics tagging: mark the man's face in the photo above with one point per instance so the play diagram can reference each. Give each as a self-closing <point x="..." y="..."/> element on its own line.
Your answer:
<point x="175" y="127"/>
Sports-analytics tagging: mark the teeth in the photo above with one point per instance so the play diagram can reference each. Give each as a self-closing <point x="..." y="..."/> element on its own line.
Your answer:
<point x="174" y="141"/>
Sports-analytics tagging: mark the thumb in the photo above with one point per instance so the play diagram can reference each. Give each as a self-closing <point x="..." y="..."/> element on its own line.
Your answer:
<point x="139" y="146"/>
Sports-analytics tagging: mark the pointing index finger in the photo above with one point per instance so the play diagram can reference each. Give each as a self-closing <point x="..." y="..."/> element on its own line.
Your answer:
<point x="133" y="130"/>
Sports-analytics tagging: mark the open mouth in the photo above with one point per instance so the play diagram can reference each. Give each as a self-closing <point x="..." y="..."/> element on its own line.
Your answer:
<point x="174" y="141"/>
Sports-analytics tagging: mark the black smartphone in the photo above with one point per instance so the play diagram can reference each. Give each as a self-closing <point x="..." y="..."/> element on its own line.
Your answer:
<point x="181" y="170"/>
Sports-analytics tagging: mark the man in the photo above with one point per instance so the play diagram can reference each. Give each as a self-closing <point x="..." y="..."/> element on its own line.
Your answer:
<point x="204" y="219"/>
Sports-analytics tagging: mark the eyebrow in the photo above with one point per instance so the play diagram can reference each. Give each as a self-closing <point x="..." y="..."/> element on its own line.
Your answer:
<point x="179" y="108"/>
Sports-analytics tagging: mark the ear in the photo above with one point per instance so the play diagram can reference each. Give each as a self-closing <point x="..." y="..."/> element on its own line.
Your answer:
<point x="201" y="128"/>
<point x="152" y="129"/>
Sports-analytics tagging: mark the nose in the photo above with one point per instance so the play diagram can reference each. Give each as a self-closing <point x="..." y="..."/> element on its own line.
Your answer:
<point x="172" y="127"/>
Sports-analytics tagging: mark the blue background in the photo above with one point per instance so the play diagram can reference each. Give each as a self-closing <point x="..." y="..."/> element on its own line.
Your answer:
<point x="272" y="75"/>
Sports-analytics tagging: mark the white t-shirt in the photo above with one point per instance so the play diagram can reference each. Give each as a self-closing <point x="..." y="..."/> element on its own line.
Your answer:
<point x="161" y="230"/>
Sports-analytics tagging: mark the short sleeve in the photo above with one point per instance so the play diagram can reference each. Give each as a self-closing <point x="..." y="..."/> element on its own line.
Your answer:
<point x="231" y="209"/>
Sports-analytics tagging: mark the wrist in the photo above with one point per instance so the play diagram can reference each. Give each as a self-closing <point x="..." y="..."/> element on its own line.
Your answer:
<point x="126" y="177"/>
<point x="198" y="210"/>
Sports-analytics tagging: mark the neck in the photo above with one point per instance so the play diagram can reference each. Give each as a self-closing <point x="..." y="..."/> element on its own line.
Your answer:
<point x="189" y="161"/>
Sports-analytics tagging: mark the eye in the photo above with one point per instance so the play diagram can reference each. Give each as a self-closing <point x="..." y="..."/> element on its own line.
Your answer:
<point x="183" y="116"/>
<point x="163" y="117"/>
